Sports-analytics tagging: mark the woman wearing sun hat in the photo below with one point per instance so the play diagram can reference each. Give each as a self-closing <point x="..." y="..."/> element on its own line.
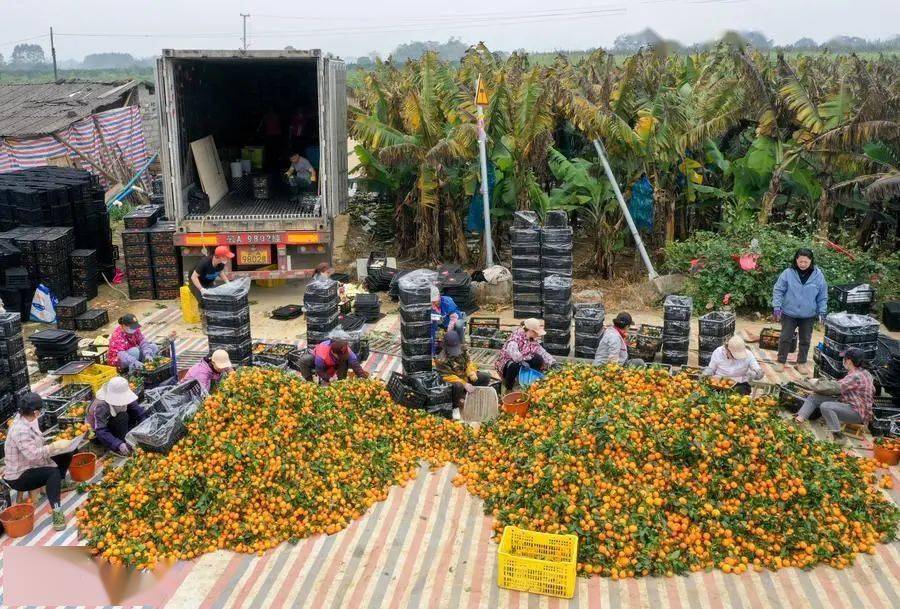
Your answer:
<point x="523" y="347"/>
<point x="734" y="361"/>
<point x="113" y="413"/>
<point x="209" y="370"/>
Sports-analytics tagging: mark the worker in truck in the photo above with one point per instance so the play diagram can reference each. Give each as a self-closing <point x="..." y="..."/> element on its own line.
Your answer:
<point x="300" y="175"/>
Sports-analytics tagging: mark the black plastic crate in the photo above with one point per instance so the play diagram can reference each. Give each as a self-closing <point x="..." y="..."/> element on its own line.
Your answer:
<point x="11" y="345"/>
<point x="404" y="392"/>
<point x="135" y="237"/>
<point x="143" y="216"/>
<point x="415" y="365"/>
<point x="710" y="343"/>
<point x="851" y="329"/>
<point x="676" y="327"/>
<point x="414" y="330"/>
<point x="160" y="373"/>
<point x="17" y="277"/>
<point x="92" y="319"/>
<point x="717" y="323"/>
<point x="890" y="315"/>
<point x="677" y="307"/>
<point x="10" y="324"/>
<point x="71" y="307"/>
<point x="19" y="378"/>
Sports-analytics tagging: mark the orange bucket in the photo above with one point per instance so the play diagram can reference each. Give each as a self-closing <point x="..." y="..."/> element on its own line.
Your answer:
<point x="18" y="519"/>
<point x="886" y="456"/>
<point x="516" y="403"/>
<point x="83" y="467"/>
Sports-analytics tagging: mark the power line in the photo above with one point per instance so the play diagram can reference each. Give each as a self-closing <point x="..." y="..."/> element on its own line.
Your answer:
<point x="14" y="42"/>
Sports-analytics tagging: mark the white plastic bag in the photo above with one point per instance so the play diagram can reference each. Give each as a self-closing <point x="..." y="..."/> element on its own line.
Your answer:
<point x="43" y="307"/>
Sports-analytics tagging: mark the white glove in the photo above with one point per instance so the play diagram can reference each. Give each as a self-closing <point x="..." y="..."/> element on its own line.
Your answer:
<point x="59" y="444"/>
<point x="123" y="449"/>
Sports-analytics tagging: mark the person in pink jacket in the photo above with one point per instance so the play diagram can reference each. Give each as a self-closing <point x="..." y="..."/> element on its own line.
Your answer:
<point x="210" y="370"/>
<point x="128" y="349"/>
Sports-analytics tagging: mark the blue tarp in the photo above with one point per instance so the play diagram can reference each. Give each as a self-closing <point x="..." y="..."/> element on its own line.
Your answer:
<point x="640" y="205"/>
<point x="475" y="221"/>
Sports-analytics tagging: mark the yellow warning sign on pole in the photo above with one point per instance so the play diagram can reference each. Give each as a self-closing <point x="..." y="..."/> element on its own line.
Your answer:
<point x="481" y="98"/>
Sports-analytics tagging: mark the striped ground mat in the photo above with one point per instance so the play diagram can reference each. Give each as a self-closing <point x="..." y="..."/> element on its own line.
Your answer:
<point x="429" y="546"/>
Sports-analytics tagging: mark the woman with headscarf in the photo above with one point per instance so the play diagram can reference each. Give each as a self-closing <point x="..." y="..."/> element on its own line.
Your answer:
<point x="799" y="297"/>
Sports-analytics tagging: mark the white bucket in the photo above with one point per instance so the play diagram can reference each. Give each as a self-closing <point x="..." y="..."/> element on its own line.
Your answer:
<point x="236" y="171"/>
<point x="246" y="165"/>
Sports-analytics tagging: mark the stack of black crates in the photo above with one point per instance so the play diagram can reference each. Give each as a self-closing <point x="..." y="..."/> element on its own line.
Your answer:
<point x="56" y="197"/>
<point x="676" y="329"/>
<point x="68" y="310"/>
<point x="13" y="366"/>
<point x="843" y="331"/>
<point x="85" y="273"/>
<point x="54" y="348"/>
<point x="415" y="320"/>
<point x="557" y="303"/>
<point x="43" y="258"/>
<point x="152" y="265"/>
<point x="588" y="328"/>
<point x="525" y="239"/>
<point x="227" y="312"/>
<point x="321" y="303"/>
<point x="716" y="328"/>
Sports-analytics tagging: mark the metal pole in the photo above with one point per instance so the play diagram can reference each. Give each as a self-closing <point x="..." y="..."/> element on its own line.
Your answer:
<point x="651" y="272"/>
<point x="245" y="28"/>
<point x="485" y="187"/>
<point x="53" y="53"/>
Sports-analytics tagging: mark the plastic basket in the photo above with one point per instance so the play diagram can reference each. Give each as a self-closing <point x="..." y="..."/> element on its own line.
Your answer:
<point x="543" y="563"/>
<point x="717" y="323"/>
<point x="404" y="393"/>
<point x="95" y="375"/>
<point x="850" y="329"/>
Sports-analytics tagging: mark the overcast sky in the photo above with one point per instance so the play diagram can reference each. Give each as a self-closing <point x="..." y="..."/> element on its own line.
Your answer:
<point x="355" y="27"/>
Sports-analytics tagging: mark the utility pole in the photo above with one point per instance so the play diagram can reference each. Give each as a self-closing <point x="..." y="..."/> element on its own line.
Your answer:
<point x="244" y="16"/>
<point x="481" y="100"/>
<point x="53" y="53"/>
<point x="601" y="152"/>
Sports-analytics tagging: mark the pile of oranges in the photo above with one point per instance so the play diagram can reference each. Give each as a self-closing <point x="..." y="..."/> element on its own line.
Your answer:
<point x="660" y="475"/>
<point x="268" y="458"/>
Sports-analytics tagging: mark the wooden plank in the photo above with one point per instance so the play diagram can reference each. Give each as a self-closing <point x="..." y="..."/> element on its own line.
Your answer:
<point x="209" y="167"/>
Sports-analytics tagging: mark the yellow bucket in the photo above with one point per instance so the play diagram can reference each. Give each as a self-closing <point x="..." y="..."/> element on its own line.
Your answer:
<point x="254" y="154"/>
<point x="190" y="309"/>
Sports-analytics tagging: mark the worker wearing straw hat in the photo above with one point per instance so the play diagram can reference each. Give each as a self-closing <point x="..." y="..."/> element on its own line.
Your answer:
<point x="734" y="361"/>
<point x="113" y="413"/>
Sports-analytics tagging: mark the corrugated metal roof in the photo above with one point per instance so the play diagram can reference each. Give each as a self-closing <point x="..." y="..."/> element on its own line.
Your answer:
<point x="39" y="109"/>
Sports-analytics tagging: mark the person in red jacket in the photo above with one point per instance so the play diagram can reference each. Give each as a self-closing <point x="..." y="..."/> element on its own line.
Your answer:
<point x="331" y="358"/>
<point x="128" y="349"/>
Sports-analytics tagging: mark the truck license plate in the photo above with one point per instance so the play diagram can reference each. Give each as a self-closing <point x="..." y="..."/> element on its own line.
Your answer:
<point x="250" y="255"/>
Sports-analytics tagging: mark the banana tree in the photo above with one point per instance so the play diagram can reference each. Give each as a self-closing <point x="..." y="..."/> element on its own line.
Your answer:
<point x="591" y="197"/>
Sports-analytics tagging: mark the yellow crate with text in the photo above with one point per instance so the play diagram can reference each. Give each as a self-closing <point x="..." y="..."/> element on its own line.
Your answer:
<point x="543" y="563"/>
<point x="95" y="375"/>
<point x="190" y="308"/>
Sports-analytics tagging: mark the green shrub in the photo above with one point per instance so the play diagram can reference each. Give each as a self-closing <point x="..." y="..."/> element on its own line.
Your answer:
<point x="716" y="273"/>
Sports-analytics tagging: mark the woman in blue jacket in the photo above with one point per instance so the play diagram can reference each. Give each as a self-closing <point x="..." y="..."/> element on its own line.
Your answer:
<point x="799" y="297"/>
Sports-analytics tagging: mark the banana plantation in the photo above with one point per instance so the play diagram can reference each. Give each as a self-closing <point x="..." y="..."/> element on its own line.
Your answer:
<point x="728" y="141"/>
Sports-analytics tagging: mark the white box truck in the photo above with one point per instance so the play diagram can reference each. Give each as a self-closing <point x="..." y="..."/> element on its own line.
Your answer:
<point x="261" y="106"/>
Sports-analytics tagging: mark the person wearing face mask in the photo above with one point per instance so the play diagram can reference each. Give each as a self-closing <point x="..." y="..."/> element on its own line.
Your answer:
<point x="800" y="296"/>
<point x="128" y="349"/>
<point x="331" y="359"/>
<point x="523" y="347"/>
<point x="29" y="464"/>
<point x="113" y="413"/>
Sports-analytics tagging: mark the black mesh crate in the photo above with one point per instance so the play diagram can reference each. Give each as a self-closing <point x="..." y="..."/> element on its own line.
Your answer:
<point x="135" y="237"/>
<point x="677" y="308"/>
<point x="717" y="323"/>
<point x="11" y="345"/>
<point x="143" y="216"/>
<point x="10" y="324"/>
<point x="92" y="319"/>
<point x="851" y="329"/>
<point x="71" y="307"/>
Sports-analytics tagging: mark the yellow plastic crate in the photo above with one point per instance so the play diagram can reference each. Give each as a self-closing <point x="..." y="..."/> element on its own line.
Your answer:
<point x="543" y="563"/>
<point x="95" y="375"/>
<point x="190" y="309"/>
